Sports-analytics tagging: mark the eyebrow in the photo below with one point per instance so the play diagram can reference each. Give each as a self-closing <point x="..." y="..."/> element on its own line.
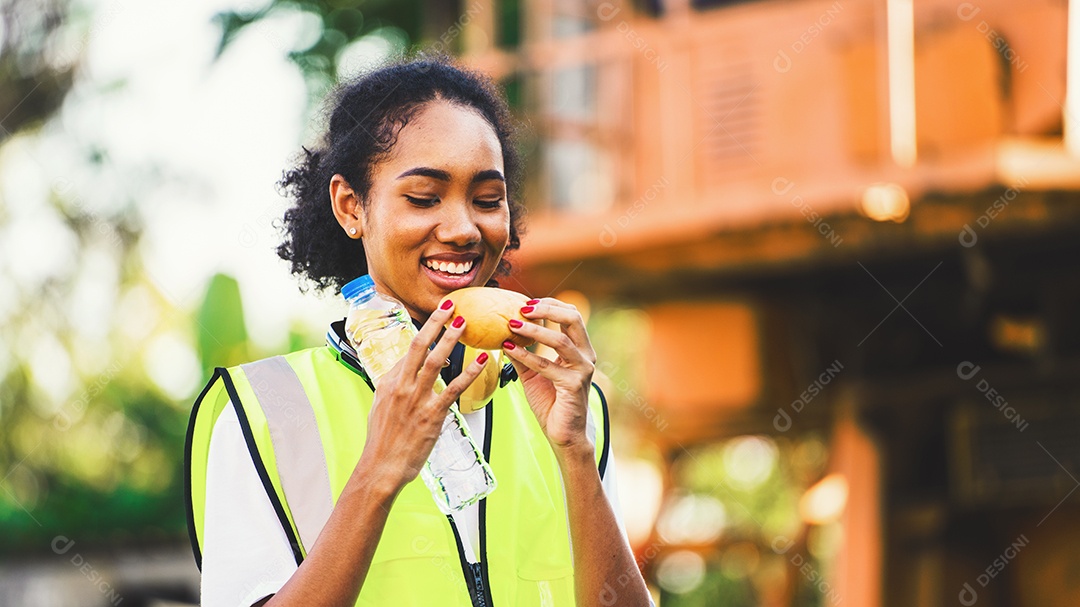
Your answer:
<point x="486" y="175"/>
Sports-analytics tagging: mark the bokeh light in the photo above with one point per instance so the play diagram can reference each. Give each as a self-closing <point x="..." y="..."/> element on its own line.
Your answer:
<point x="692" y="519"/>
<point x="824" y="502"/>
<point x="681" y="571"/>
<point x="750" y="460"/>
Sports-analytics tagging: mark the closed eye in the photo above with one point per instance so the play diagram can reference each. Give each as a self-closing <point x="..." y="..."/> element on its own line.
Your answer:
<point x="422" y="202"/>
<point x="489" y="204"/>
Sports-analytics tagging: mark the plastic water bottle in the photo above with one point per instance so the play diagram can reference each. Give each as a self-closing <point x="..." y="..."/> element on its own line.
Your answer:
<point x="380" y="331"/>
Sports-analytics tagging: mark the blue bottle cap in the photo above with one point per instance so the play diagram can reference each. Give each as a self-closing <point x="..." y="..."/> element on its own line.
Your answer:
<point x="362" y="288"/>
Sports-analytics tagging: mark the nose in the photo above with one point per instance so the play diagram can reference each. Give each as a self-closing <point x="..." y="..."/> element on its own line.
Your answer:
<point x="457" y="224"/>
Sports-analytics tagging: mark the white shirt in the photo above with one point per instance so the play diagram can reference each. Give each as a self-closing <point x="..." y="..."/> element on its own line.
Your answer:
<point x="246" y="556"/>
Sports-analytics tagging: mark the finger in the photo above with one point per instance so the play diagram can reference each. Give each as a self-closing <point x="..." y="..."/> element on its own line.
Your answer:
<point x="548" y="368"/>
<point x="434" y="362"/>
<point x="550" y="301"/>
<point x="565" y="315"/>
<point x="558" y="341"/>
<point x="462" y="381"/>
<point x="419" y="348"/>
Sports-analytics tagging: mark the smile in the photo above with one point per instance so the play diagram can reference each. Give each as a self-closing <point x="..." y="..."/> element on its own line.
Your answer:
<point x="450" y="267"/>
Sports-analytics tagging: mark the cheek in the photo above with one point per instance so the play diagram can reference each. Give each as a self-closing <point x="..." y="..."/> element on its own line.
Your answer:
<point x="400" y="230"/>
<point x="497" y="230"/>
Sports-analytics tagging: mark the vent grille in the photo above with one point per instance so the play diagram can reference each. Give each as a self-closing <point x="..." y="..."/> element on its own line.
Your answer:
<point x="729" y="115"/>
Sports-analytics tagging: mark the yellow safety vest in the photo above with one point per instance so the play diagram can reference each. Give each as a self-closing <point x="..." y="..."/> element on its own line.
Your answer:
<point x="304" y="418"/>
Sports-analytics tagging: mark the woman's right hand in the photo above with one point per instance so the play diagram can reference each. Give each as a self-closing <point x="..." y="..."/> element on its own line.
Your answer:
<point x="407" y="415"/>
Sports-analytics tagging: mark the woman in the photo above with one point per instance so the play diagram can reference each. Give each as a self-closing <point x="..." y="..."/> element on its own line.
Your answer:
<point x="412" y="185"/>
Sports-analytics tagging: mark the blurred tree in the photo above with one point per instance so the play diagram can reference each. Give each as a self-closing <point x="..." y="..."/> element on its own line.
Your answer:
<point x="412" y="23"/>
<point x="85" y="443"/>
<point x="35" y="67"/>
<point x="90" y="438"/>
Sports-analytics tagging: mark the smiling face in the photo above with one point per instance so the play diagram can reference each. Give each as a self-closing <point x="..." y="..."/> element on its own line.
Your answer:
<point x="436" y="217"/>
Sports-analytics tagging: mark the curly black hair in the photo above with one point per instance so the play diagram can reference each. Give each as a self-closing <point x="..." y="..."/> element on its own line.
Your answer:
<point x="366" y="114"/>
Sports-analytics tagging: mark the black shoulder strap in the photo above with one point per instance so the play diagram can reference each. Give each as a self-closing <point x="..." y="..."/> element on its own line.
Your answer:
<point x="245" y="427"/>
<point x="260" y="467"/>
<point x="188" y="440"/>
<point x="604" y="456"/>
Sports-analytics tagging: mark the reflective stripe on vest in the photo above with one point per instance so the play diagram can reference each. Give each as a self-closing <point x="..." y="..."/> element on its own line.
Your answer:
<point x="297" y="446"/>
<point x="524" y="538"/>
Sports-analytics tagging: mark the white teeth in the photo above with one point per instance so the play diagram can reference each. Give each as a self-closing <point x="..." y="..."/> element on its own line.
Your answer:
<point x="449" y="267"/>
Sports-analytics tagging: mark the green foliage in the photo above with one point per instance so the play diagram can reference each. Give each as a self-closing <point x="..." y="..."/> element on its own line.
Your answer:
<point x="509" y="29"/>
<point x="341" y="23"/>
<point x="222" y="338"/>
<point x="31" y="86"/>
<point x="759" y="480"/>
<point x="105" y="468"/>
<point x="619" y="336"/>
<point x="715" y="589"/>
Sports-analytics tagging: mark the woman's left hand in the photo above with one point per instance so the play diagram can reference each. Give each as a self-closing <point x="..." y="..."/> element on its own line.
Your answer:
<point x="557" y="390"/>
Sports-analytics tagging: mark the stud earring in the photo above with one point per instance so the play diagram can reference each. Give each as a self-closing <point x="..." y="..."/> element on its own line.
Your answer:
<point x="352" y="231"/>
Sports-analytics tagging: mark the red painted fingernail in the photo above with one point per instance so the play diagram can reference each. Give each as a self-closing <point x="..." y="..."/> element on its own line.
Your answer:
<point x="533" y="301"/>
<point x="515" y="323"/>
<point x="446" y="305"/>
<point x="527" y="309"/>
<point x="460" y="320"/>
<point x="482" y="358"/>
<point x="509" y="345"/>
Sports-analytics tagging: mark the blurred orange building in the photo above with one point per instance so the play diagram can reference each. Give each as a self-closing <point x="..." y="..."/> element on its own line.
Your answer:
<point x="853" y="216"/>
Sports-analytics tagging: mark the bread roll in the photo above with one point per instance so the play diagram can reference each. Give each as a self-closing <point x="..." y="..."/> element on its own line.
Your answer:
<point x="487" y="312"/>
<point x="479" y="392"/>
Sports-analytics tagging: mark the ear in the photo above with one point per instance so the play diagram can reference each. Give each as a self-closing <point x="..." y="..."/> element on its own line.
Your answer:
<point x="347" y="208"/>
